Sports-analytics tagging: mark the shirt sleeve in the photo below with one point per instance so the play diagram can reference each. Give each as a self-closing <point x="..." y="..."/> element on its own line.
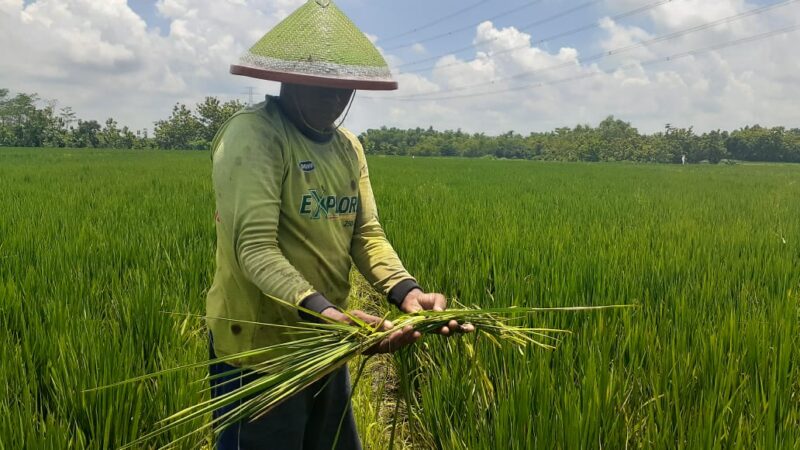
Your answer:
<point x="372" y="253"/>
<point x="248" y="173"/>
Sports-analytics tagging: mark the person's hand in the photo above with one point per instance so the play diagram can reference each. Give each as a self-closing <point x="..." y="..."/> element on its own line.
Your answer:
<point x="393" y="343"/>
<point x="416" y="300"/>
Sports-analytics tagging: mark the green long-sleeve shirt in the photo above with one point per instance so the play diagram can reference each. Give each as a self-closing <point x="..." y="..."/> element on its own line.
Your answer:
<point x="291" y="216"/>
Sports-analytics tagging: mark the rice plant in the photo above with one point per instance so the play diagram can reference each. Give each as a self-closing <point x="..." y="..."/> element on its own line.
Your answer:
<point x="94" y="245"/>
<point x="318" y="349"/>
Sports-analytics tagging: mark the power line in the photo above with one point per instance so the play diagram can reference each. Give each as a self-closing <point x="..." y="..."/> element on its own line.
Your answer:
<point x="724" y="20"/>
<point x="582" y="28"/>
<point x="616" y="51"/>
<point x="435" y="22"/>
<point x="669" y="58"/>
<point x="250" y="92"/>
<point x="466" y="27"/>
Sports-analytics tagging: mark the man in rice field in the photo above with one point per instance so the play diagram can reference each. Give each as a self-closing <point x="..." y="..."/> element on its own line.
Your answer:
<point x="294" y="211"/>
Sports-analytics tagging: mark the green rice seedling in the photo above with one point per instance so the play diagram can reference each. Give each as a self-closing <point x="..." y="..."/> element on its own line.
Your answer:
<point x="94" y="244"/>
<point x="319" y="349"/>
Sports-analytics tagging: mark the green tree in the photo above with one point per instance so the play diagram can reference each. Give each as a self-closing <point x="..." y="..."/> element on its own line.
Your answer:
<point x="6" y="136"/>
<point x="678" y="142"/>
<point x="86" y="134"/>
<point x="109" y="136"/>
<point x="17" y="116"/>
<point x="212" y="114"/>
<point x="712" y="146"/>
<point x="182" y="131"/>
<point x="127" y="139"/>
<point x="617" y="140"/>
<point x="142" y="140"/>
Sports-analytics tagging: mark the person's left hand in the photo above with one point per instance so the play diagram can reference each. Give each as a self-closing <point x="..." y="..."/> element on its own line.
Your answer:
<point x="416" y="300"/>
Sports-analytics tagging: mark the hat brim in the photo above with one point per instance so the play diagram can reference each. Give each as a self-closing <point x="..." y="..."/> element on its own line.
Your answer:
<point x="313" y="80"/>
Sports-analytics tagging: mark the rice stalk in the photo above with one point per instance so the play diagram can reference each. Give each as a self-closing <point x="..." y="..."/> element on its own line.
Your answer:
<point x="322" y="348"/>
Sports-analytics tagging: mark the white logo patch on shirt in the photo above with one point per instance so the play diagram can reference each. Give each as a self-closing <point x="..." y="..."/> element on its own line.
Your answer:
<point x="306" y="166"/>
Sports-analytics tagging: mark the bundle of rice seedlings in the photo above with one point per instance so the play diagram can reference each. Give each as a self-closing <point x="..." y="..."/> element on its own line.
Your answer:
<point x="320" y="349"/>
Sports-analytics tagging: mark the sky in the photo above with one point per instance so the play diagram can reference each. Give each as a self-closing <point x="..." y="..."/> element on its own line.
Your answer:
<point x="487" y="66"/>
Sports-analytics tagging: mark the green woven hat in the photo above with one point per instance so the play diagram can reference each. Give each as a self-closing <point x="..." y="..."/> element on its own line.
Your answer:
<point x="317" y="45"/>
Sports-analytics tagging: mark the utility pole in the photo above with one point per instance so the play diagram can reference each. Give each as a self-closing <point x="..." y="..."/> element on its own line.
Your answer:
<point x="250" y="92"/>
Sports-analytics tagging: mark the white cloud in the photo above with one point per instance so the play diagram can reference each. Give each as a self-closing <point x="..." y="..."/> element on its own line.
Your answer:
<point x="618" y="37"/>
<point x="372" y="38"/>
<point x="752" y="83"/>
<point x="685" y="13"/>
<point x="101" y="58"/>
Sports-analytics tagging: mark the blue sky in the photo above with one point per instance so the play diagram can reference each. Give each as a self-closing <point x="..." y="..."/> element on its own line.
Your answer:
<point x="384" y="18"/>
<point x="148" y="11"/>
<point x="134" y="59"/>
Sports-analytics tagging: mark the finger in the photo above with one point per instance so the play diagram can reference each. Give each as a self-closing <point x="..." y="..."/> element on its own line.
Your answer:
<point x="468" y="328"/>
<point x="395" y="341"/>
<point x="412" y="338"/>
<point x="413" y="307"/>
<point x="402" y="338"/>
<point x="361" y="315"/>
<point x="386" y="324"/>
<point x="453" y="326"/>
<point x="424" y="301"/>
<point x="381" y="347"/>
<point x="372" y="320"/>
<point x="439" y="302"/>
<point x="410" y="335"/>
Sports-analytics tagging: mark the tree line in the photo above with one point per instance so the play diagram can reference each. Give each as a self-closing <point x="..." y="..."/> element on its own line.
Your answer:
<point x="611" y="140"/>
<point x="28" y="121"/>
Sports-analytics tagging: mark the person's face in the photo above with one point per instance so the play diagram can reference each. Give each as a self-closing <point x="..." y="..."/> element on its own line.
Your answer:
<point x="320" y="106"/>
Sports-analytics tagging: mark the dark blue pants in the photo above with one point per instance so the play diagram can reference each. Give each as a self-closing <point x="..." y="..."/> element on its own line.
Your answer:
<point x="307" y="421"/>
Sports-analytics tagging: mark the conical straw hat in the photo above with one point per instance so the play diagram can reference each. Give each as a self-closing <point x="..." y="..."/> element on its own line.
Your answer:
<point x="317" y="45"/>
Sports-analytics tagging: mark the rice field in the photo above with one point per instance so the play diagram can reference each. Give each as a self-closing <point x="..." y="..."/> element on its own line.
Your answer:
<point x="95" y="247"/>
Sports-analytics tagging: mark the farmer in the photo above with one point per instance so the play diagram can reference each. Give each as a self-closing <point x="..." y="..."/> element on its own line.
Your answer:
<point x="294" y="208"/>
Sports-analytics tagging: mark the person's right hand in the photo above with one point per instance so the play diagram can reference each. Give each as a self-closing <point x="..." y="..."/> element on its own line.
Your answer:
<point x="393" y="343"/>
